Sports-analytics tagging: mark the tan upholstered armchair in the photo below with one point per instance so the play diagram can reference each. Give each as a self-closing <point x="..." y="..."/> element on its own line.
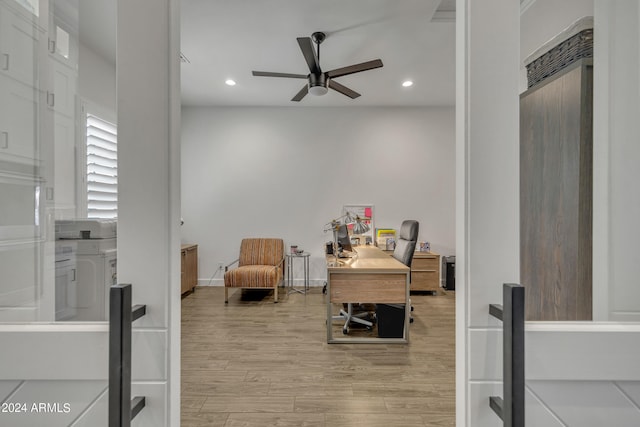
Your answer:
<point x="260" y="266"/>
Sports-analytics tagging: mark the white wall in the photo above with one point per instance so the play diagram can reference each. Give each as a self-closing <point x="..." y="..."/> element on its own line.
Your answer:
<point x="487" y="187"/>
<point x="616" y="157"/>
<point x="96" y="79"/>
<point x="286" y="172"/>
<point x="148" y="99"/>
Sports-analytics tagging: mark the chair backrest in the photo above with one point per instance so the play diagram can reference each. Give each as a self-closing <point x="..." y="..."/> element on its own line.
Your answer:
<point x="406" y="243"/>
<point x="261" y="251"/>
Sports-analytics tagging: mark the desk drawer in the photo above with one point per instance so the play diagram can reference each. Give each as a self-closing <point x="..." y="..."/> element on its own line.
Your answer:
<point x="374" y="288"/>
<point x="430" y="263"/>
<point x="425" y="280"/>
<point x="425" y="272"/>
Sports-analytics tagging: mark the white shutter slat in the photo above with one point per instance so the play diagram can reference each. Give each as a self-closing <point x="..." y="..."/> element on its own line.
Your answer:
<point x="101" y="133"/>
<point x="105" y="204"/>
<point x="101" y="153"/>
<point x="101" y="161"/>
<point x="102" y="179"/>
<point x="96" y="122"/>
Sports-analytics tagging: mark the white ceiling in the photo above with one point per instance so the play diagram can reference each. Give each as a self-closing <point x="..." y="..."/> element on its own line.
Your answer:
<point x="227" y="39"/>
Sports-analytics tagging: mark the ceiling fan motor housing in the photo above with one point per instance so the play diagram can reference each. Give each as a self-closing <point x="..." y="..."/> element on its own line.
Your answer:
<point x="318" y="84"/>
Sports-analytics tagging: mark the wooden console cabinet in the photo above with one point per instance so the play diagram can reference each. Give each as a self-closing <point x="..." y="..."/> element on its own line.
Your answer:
<point x="189" y="256"/>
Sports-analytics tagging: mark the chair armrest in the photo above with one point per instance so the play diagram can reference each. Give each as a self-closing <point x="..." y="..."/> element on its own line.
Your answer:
<point x="226" y="267"/>
<point x="279" y="264"/>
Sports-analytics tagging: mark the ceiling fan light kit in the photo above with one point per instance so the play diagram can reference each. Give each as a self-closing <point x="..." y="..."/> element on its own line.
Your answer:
<point x="319" y="82"/>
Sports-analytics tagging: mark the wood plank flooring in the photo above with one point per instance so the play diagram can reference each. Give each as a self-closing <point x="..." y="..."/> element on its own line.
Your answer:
<point x="253" y="363"/>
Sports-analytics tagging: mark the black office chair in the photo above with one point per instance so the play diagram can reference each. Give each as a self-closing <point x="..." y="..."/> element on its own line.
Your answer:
<point x="355" y="313"/>
<point x="406" y="245"/>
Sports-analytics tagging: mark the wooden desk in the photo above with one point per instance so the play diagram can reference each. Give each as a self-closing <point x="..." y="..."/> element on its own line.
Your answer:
<point x="372" y="277"/>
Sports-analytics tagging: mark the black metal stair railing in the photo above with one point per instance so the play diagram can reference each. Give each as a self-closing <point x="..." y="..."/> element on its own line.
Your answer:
<point x="510" y="408"/>
<point x="122" y="409"/>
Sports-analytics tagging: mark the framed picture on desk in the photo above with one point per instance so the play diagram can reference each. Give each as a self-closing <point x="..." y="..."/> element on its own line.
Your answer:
<point x="365" y="214"/>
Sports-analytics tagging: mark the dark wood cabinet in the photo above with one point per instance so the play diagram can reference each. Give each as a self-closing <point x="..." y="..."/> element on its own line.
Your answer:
<point x="556" y="159"/>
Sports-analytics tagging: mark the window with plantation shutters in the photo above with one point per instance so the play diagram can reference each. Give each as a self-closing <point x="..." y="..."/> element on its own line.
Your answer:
<point x="102" y="168"/>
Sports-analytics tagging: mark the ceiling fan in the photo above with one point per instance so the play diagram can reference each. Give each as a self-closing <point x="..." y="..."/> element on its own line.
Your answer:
<point x="319" y="82"/>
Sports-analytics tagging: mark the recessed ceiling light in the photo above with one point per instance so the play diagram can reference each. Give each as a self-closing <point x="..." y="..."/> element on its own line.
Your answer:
<point x="230" y="82"/>
<point x="407" y="83"/>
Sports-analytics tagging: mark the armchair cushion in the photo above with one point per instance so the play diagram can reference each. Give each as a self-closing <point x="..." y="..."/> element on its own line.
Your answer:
<point x="253" y="276"/>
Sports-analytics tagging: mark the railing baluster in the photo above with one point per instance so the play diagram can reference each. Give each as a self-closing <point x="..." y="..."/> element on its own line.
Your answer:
<point x="122" y="409"/>
<point x="510" y="408"/>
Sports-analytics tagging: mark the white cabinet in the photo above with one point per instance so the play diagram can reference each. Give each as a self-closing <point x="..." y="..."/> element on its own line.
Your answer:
<point x="19" y="47"/>
<point x="19" y="288"/>
<point x="18" y="120"/>
<point x="64" y="88"/>
<point x="27" y="285"/>
<point x="66" y="289"/>
<point x="65" y="166"/>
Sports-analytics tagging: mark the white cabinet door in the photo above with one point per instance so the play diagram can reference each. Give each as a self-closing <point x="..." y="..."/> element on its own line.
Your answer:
<point x="18" y="121"/>
<point x="66" y="173"/>
<point x="19" y="44"/>
<point x="64" y="82"/>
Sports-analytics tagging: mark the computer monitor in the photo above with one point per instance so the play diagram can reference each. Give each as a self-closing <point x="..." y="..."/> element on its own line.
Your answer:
<point x="344" y="240"/>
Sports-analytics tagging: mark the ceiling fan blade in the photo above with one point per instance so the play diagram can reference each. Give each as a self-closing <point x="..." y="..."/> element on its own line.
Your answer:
<point x="306" y="46"/>
<point x="369" y="65"/>
<point x="301" y="94"/>
<point x="270" y="74"/>
<point x="343" y="89"/>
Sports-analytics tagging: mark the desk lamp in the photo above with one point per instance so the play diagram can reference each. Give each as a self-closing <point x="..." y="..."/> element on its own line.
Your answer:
<point x="359" y="227"/>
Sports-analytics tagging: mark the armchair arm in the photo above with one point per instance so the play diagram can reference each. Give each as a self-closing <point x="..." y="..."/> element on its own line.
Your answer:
<point x="279" y="264"/>
<point x="226" y="267"/>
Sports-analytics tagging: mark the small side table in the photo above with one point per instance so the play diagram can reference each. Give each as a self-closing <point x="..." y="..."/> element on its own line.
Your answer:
<point x="305" y="258"/>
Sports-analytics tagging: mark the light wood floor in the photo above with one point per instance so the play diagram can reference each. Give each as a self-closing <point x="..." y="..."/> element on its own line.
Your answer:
<point x="255" y="363"/>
